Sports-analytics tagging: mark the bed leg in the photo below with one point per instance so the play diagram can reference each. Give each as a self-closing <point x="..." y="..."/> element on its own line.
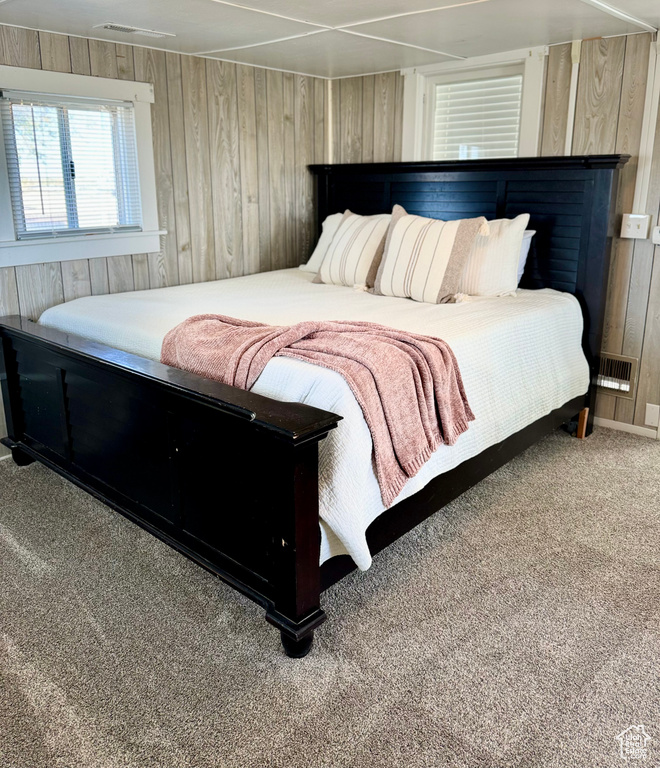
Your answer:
<point x="20" y="457"/>
<point x="296" y="574"/>
<point x="297" y="649"/>
<point x="583" y="421"/>
<point x="297" y="637"/>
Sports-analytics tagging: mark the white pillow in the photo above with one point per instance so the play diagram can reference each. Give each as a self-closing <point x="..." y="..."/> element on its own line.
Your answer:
<point x="528" y="234"/>
<point x="329" y="227"/>
<point x="424" y="258"/>
<point x="492" y="267"/>
<point x="355" y="251"/>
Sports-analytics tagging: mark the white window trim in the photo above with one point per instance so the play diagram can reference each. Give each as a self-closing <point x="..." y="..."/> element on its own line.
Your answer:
<point x="15" y="252"/>
<point x="415" y="98"/>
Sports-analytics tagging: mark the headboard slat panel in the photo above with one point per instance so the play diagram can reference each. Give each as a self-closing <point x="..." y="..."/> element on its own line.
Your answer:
<point x="570" y="201"/>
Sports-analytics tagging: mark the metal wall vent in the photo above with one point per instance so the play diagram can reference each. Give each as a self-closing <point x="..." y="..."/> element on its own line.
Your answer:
<point x="618" y="375"/>
<point x="132" y="30"/>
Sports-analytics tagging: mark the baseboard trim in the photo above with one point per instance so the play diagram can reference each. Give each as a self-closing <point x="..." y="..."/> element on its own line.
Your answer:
<point x="633" y="429"/>
<point x="8" y="456"/>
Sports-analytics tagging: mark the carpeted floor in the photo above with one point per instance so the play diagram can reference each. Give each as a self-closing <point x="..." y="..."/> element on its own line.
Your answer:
<point x="521" y="627"/>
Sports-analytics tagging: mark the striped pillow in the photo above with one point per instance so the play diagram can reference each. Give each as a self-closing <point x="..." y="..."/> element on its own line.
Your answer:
<point x="355" y="251"/>
<point x="492" y="267"/>
<point x="424" y="258"/>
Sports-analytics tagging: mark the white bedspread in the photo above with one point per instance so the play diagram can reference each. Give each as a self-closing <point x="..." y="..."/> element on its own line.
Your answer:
<point x="520" y="357"/>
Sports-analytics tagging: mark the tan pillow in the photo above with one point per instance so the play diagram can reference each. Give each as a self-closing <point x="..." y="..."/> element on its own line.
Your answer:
<point x="424" y="258"/>
<point x="356" y="245"/>
<point x="492" y="267"/>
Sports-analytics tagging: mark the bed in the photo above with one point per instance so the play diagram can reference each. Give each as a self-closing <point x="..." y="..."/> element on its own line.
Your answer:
<point x="232" y="478"/>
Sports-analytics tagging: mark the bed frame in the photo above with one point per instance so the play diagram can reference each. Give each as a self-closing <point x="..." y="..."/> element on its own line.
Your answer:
<point x="230" y="478"/>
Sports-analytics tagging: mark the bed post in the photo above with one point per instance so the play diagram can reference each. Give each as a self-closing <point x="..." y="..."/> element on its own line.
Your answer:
<point x="296" y="545"/>
<point x="594" y="269"/>
<point x="10" y="397"/>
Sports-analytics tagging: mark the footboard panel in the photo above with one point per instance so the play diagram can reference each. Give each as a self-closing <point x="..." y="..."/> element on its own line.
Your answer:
<point x="227" y="477"/>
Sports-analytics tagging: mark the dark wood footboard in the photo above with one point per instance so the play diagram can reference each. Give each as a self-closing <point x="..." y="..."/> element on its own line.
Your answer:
<point x="227" y="477"/>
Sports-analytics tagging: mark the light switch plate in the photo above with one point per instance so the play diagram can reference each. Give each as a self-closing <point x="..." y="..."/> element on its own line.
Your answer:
<point x="635" y="226"/>
<point x="652" y="415"/>
<point x="656" y="235"/>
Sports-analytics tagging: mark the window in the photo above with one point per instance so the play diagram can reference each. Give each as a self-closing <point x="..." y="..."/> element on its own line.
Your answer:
<point x="77" y="175"/>
<point x="476" y="118"/>
<point x="72" y="165"/>
<point x="482" y="107"/>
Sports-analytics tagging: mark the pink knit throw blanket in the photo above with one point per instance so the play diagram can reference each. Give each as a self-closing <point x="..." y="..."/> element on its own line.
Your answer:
<point x="408" y="386"/>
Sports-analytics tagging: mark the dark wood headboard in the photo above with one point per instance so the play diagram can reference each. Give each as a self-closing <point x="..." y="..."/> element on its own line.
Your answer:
<point x="570" y="200"/>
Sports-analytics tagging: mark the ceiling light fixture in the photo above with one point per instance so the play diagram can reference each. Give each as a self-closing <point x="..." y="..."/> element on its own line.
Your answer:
<point x="126" y="29"/>
<point x="619" y="14"/>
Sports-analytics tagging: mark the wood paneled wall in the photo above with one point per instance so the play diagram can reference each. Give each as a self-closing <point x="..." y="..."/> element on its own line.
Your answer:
<point x="608" y="118"/>
<point x="231" y="144"/>
<point x="367" y="118"/>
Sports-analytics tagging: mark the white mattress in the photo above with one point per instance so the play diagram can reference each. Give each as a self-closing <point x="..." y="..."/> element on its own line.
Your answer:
<point x="520" y="357"/>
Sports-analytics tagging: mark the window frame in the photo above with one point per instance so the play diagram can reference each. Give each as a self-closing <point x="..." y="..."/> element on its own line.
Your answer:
<point x="124" y="163"/>
<point x="457" y="77"/>
<point x="418" y="96"/>
<point x="14" y="252"/>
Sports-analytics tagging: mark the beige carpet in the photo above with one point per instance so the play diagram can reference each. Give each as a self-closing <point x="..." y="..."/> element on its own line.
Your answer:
<point x="519" y="628"/>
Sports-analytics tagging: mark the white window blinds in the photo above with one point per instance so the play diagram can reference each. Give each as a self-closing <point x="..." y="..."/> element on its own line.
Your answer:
<point x="72" y="165"/>
<point x="476" y="119"/>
